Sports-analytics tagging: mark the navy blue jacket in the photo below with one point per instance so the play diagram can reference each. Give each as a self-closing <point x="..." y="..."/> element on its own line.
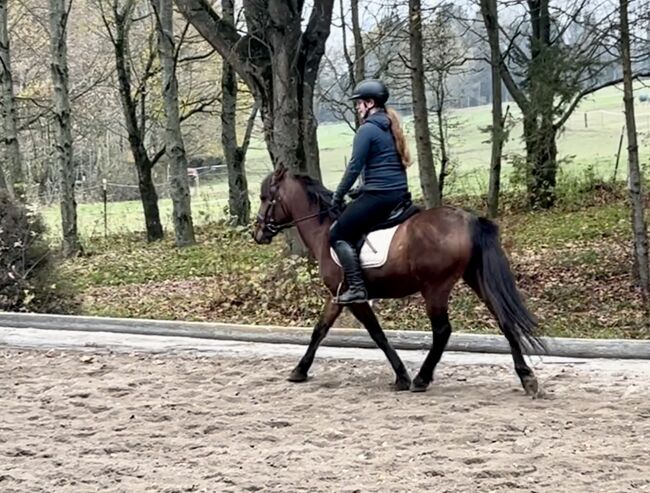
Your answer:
<point x="375" y="158"/>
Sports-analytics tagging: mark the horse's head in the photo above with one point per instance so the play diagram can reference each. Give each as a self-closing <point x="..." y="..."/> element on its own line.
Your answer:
<point x="273" y="215"/>
<point x="290" y="200"/>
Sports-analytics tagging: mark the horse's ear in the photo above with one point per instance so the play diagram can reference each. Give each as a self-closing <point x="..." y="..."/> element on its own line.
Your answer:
<point x="279" y="173"/>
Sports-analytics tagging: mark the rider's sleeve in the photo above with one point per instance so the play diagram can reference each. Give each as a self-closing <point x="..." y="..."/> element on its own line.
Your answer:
<point x="360" y="149"/>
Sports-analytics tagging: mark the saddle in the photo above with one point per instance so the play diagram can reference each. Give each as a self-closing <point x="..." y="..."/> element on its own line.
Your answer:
<point x="397" y="216"/>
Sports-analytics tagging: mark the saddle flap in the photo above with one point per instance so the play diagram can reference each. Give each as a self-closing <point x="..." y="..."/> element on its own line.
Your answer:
<point x="374" y="252"/>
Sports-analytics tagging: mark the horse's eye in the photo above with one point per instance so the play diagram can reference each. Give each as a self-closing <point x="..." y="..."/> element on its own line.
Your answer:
<point x="262" y="198"/>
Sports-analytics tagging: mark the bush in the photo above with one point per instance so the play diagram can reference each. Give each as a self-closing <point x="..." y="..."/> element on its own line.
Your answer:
<point x="28" y="278"/>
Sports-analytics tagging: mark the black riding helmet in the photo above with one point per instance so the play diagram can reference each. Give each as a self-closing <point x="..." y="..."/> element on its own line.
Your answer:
<point x="371" y="89"/>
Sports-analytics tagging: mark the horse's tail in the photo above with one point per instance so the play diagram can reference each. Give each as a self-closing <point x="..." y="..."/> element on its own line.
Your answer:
<point x="489" y="274"/>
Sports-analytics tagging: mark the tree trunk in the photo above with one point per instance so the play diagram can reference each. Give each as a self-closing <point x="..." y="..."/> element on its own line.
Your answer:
<point x="428" y="180"/>
<point x="541" y="159"/>
<point x="285" y="103"/>
<point x="444" y="156"/>
<point x="135" y="128"/>
<point x="442" y="136"/>
<point x="149" y="198"/>
<point x="63" y="123"/>
<point x="359" y="51"/>
<point x="12" y="176"/>
<point x="491" y="19"/>
<point x="3" y="181"/>
<point x="359" y="65"/>
<point x="174" y="146"/>
<point x="635" y="181"/>
<point x="310" y="129"/>
<point x="238" y="201"/>
<point x="356" y="65"/>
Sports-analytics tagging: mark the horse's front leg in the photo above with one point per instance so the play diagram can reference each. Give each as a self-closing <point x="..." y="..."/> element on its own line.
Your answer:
<point x="363" y="312"/>
<point x="328" y="317"/>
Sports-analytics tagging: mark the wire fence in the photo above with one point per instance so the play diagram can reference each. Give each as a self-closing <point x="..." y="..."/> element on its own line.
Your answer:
<point x="112" y="207"/>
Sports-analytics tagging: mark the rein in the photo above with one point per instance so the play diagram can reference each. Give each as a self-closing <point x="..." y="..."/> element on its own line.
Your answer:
<point x="273" y="228"/>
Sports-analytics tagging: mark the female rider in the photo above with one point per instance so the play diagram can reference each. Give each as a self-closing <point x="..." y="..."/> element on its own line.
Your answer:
<point x="380" y="156"/>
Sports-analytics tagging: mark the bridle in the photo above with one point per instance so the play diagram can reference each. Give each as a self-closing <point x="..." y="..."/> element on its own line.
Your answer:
<point x="267" y="221"/>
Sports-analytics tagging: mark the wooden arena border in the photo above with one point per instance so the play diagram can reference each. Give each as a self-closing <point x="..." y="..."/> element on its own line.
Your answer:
<point x="563" y="347"/>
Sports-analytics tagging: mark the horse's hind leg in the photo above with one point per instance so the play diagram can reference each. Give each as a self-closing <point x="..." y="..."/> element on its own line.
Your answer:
<point x="437" y="306"/>
<point x="525" y="373"/>
<point x="363" y="312"/>
<point x="328" y="317"/>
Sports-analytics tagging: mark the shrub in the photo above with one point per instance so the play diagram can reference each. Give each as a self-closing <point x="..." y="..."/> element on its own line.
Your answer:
<point x="28" y="278"/>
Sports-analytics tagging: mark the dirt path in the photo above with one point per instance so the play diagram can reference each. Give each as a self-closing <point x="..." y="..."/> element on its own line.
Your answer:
<point x="78" y="422"/>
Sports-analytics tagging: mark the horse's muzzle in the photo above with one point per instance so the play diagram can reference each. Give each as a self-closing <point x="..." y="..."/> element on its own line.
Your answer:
<point x="261" y="235"/>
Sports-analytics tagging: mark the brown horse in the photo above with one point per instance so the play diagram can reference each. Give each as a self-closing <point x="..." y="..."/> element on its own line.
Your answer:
<point x="429" y="253"/>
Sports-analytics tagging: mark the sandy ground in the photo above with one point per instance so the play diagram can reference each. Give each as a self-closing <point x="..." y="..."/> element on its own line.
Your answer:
<point x="83" y="422"/>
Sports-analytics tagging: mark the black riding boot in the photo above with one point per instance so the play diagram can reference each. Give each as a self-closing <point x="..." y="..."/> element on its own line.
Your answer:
<point x="349" y="259"/>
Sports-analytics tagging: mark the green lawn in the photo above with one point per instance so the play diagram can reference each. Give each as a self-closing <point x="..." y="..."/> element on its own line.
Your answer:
<point x="593" y="147"/>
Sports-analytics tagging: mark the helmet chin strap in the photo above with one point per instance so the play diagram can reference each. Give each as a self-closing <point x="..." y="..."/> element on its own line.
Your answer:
<point x="367" y="113"/>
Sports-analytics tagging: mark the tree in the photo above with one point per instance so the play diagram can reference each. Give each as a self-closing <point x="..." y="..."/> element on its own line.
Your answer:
<point x="235" y="155"/>
<point x="356" y="67"/>
<point x="428" y="180"/>
<point x="635" y="180"/>
<point x="59" y="13"/>
<point x="133" y="104"/>
<point x="343" y="69"/>
<point x="375" y="53"/>
<point x="175" y="148"/>
<point x="490" y="17"/>
<point x="279" y="63"/>
<point x="549" y="76"/>
<point x="14" y="181"/>
<point x="445" y="59"/>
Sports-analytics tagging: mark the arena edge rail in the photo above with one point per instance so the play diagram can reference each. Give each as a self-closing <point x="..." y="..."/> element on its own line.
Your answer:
<point x="564" y="347"/>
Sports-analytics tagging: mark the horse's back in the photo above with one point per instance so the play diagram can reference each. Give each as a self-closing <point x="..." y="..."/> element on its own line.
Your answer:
<point x="441" y="232"/>
<point x="443" y="222"/>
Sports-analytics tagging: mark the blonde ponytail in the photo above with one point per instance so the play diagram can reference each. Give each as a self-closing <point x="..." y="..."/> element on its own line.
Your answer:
<point x="400" y="138"/>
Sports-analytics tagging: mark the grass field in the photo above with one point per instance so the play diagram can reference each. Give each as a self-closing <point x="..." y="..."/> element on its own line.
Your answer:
<point x="593" y="148"/>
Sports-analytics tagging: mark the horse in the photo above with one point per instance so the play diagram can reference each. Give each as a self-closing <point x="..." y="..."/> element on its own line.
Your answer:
<point x="429" y="253"/>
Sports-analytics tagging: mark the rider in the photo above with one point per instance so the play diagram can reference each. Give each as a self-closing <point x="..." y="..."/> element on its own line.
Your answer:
<point x="380" y="156"/>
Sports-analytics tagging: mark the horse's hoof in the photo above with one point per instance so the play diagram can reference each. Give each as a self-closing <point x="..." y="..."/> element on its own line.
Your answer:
<point x="531" y="387"/>
<point x="419" y="385"/>
<point x="297" y="376"/>
<point x="402" y="384"/>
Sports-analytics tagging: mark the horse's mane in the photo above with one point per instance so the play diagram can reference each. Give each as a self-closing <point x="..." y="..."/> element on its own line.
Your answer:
<point x="317" y="194"/>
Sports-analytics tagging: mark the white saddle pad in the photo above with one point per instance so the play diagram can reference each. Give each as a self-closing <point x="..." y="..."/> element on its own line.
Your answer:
<point x="374" y="251"/>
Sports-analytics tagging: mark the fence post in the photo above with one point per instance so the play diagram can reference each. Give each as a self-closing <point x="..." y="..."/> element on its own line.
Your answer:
<point x="618" y="154"/>
<point x="105" y="200"/>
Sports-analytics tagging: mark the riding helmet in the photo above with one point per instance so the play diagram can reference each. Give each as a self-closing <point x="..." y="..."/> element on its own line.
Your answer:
<point x="373" y="89"/>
